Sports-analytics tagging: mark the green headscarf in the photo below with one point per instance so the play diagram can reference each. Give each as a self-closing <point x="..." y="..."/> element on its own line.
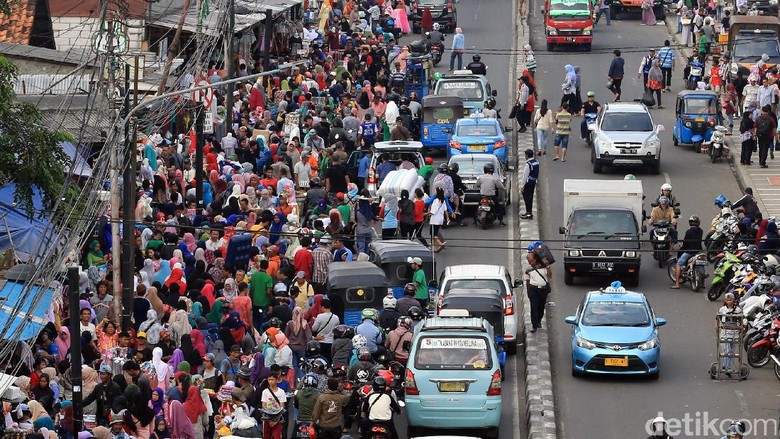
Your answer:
<point x="215" y="315"/>
<point x="197" y="311"/>
<point x="95" y="255"/>
<point x="184" y="366"/>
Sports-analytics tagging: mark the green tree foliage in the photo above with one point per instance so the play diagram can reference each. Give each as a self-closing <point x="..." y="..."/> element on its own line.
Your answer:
<point x="30" y="155"/>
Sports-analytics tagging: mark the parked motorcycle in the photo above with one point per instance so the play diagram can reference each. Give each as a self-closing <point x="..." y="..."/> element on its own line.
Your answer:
<point x="661" y="240"/>
<point x="486" y="212"/>
<point x="590" y="121"/>
<point x="758" y="354"/>
<point x="724" y="271"/>
<point x="718" y="146"/>
<point x="694" y="271"/>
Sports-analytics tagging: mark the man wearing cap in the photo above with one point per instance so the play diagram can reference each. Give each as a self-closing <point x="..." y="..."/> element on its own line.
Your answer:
<point x="243" y="385"/>
<point x="232" y="364"/>
<point x="420" y="281"/>
<point x="104" y="393"/>
<point x="591" y="106"/>
<point x="305" y="290"/>
<point x="143" y="347"/>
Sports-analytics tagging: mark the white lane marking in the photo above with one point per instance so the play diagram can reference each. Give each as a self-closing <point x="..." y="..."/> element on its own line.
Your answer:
<point x="516" y="400"/>
<point x="743" y="407"/>
<point x="667" y="178"/>
<point x="476" y="12"/>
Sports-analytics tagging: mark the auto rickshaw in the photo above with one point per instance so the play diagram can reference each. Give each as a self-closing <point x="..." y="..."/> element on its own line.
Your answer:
<point x="698" y="113"/>
<point x="439" y="114"/>
<point x="354" y="286"/>
<point x="393" y="257"/>
<point x="418" y="75"/>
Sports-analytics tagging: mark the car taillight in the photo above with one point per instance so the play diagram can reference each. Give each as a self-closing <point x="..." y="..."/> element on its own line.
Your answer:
<point x="499" y="144"/>
<point x="410" y="387"/>
<point x="509" y="305"/>
<point x="485" y="201"/>
<point x="371" y="175"/>
<point x="455" y="144"/>
<point x="449" y="7"/>
<point x="495" y="384"/>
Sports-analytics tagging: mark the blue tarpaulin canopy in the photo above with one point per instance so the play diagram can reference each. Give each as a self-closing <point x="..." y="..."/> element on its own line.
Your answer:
<point x="80" y="166"/>
<point x="17" y="231"/>
<point x="31" y="313"/>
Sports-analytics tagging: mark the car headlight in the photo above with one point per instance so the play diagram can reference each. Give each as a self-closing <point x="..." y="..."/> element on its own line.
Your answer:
<point x="585" y="344"/>
<point x="688" y="124"/>
<point x="605" y="144"/>
<point x="654" y="143"/>
<point x="629" y="254"/>
<point x="772" y="2"/>
<point x="649" y="344"/>
<point x="551" y="30"/>
<point x="574" y="253"/>
<point x="587" y="30"/>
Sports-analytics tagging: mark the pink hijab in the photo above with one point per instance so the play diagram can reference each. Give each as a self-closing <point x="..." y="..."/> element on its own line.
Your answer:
<point x="208" y="292"/>
<point x="189" y="240"/>
<point x="180" y="425"/>
<point x="62" y="346"/>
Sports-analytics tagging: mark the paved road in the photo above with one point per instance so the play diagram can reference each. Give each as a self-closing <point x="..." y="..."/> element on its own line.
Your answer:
<point x="613" y="408"/>
<point x="479" y="19"/>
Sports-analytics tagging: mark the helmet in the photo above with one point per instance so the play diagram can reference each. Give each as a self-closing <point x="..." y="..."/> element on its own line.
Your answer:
<point x="310" y="381"/>
<point x="443" y="167"/>
<point x="368" y="313"/>
<point x="343" y="331"/>
<point x="428" y="160"/>
<point x="591" y="93"/>
<point x="659" y="419"/>
<point x="363" y="354"/>
<point x="736" y="427"/>
<point x="319" y="365"/>
<point x="359" y="341"/>
<point x="405" y="101"/>
<point x="389" y="302"/>
<point x="476" y="58"/>
<point x="410" y="289"/>
<point x="313" y="348"/>
<point x="490" y="102"/>
<point x="720" y="200"/>
<point x="770" y="261"/>
<point x="454" y="168"/>
<point x="379" y="384"/>
<point x="383" y="357"/>
<point x="752" y="248"/>
<point x="666" y="187"/>
<point x="436" y="26"/>
<point x="725" y="211"/>
<point x="488" y="168"/>
<point x="275" y="322"/>
<point x="437" y="76"/>
<point x="315" y="182"/>
<point x="629" y="177"/>
<point x="415" y="313"/>
<point x="694" y="220"/>
<point x="405" y="322"/>
<point x="663" y="200"/>
<point x="391" y="22"/>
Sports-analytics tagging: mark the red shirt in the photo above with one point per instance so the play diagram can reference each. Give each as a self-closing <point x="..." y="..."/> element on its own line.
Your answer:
<point x="419" y="211"/>
<point x="304" y="261"/>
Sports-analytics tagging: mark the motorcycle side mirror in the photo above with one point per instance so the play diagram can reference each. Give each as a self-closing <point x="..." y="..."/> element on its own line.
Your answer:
<point x="517" y="284"/>
<point x="494" y="92"/>
<point x="543" y="11"/>
<point x="562" y="230"/>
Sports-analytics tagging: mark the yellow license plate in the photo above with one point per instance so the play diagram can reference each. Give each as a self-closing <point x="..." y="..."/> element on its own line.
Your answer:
<point x="618" y="362"/>
<point x="477" y="148"/>
<point x="452" y="387"/>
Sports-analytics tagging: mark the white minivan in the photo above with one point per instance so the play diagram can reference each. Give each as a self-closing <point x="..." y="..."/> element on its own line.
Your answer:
<point x="493" y="277"/>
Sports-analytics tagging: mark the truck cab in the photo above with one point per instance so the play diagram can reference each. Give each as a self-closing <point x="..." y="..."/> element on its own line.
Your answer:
<point x="568" y="22"/>
<point x="603" y="223"/>
<point x="749" y="38"/>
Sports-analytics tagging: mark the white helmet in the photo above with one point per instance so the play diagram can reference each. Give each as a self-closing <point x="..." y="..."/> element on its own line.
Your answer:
<point x="389" y="302"/>
<point x="770" y="261"/>
<point x="359" y="341"/>
<point x="666" y="187"/>
<point x="726" y="211"/>
<point x="436" y="26"/>
<point x="659" y="419"/>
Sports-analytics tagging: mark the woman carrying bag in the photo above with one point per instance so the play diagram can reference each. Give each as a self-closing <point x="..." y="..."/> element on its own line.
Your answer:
<point x="543" y="119"/>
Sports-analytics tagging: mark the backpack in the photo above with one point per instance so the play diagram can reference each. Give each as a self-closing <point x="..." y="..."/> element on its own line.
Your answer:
<point x="764" y="126"/>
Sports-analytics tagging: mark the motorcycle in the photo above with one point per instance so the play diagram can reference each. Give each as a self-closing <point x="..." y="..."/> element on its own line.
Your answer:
<point x="302" y="430"/>
<point x="694" y="271"/>
<point x="661" y="241"/>
<point x="486" y="214"/>
<point x="722" y="234"/>
<point x="590" y="121"/>
<point x="758" y="353"/>
<point x="380" y="431"/>
<point x="436" y="53"/>
<point x="695" y="70"/>
<point x="724" y="272"/>
<point x="717" y="147"/>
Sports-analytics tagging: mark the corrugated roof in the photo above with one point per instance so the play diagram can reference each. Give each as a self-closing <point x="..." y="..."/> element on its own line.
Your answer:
<point x="98" y="123"/>
<point x="72" y="57"/>
<point x="248" y="13"/>
<point x="91" y="8"/>
<point x="17" y="28"/>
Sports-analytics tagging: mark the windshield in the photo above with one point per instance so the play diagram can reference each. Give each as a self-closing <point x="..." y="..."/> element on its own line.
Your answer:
<point x="633" y="121"/>
<point x="477" y="130"/>
<point x="751" y="48"/>
<point x="471" y="166"/>
<point x="592" y="222"/>
<point x="615" y="314"/>
<point x="433" y="2"/>
<point x="466" y="90"/>
<point x="453" y="353"/>
<point x="573" y="8"/>
<point x="700" y="106"/>
<point x="474" y="284"/>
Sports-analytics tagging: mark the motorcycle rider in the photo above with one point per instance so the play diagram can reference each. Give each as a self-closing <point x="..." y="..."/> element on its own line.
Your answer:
<point x="749" y="206"/>
<point x="491" y="187"/>
<point x="489" y="111"/>
<point x="459" y="188"/>
<point x="435" y="37"/>
<point x="417" y="315"/>
<point x="369" y="329"/>
<point x="398" y="338"/>
<point x="659" y="429"/>
<point x="362" y="371"/>
<point x="306" y="398"/>
<point x="378" y="409"/>
<point x="664" y="212"/>
<point x="388" y="317"/>
<point x="589" y="106"/>
<point x="691" y="245"/>
<point x="736" y="430"/>
<point x="666" y="191"/>
<point x="404" y="304"/>
<point x="476" y="66"/>
<point x="341" y="351"/>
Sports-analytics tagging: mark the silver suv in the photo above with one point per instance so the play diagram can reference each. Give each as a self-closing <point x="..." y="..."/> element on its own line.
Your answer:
<point x="626" y="135"/>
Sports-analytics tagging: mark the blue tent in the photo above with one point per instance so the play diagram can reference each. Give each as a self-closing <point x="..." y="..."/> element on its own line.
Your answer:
<point x="80" y="166"/>
<point x="31" y="313"/>
<point x="17" y="231"/>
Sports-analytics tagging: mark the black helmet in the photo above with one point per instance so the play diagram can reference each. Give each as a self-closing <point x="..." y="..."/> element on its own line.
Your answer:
<point x="313" y="348"/>
<point x="319" y="365"/>
<point x="315" y="182"/>
<point x="379" y="384"/>
<point x="490" y="103"/>
<point x="455" y="167"/>
<point x="489" y="168"/>
<point x="416" y="313"/>
<point x="275" y="322"/>
<point x="476" y="58"/>
<point x="405" y="100"/>
<point x="694" y="220"/>
<point x="404" y="107"/>
<point x="344" y="331"/>
<point x="443" y="167"/>
<point x="383" y="358"/>
<point x="410" y="289"/>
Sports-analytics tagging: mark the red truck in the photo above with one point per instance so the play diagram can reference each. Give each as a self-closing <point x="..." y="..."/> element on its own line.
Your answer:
<point x="568" y="22"/>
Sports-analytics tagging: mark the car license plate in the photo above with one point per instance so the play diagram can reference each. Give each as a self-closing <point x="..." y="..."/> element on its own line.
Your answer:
<point x="477" y="148"/>
<point x="457" y="386"/>
<point x="696" y="72"/>
<point x="484" y="207"/>
<point x="628" y="151"/>
<point x="616" y="362"/>
<point x="571" y="39"/>
<point x="603" y="265"/>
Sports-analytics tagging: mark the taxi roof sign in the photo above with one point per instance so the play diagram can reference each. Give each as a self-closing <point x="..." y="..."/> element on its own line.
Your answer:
<point x="615" y="287"/>
<point x="454" y="313"/>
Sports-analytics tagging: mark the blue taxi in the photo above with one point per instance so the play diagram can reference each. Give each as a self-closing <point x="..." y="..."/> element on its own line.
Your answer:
<point x="476" y="134"/>
<point x="615" y="332"/>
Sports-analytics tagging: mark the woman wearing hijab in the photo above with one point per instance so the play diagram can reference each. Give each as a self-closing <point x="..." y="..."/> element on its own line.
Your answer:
<point x="95" y="256"/>
<point x="569" y="85"/>
<point x="276" y="227"/>
<point x="216" y="314"/>
<point x="154" y="299"/>
<point x="180" y="425"/>
<point x="199" y="272"/>
<point x="151" y="327"/>
<point x="62" y="341"/>
<point x="196" y="311"/>
<point x="299" y="334"/>
<point x="191" y="355"/>
<point x="179" y="391"/>
<point x="195" y="410"/>
<point x="315" y="309"/>
<point x="157" y="403"/>
<point x="655" y="80"/>
<point x="236" y="327"/>
<point x="230" y="290"/>
<point x="161" y="369"/>
<point x="44" y="394"/>
<point x="648" y="16"/>
<point x="141" y="416"/>
<point x="179" y="324"/>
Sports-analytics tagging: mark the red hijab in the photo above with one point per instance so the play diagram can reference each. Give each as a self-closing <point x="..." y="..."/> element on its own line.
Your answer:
<point x="193" y="405"/>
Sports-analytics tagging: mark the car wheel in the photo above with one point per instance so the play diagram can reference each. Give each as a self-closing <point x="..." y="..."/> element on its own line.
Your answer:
<point x="413" y="431"/>
<point x="587" y="47"/>
<point x="568" y="277"/>
<point x="675" y="141"/>
<point x="598" y="167"/>
<point x="490" y="433"/>
<point x="511" y="348"/>
<point x="575" y="373"/>
<point x="550" y="47"/>
<point x="654" y="376"/>
<point x="655" y="168"/>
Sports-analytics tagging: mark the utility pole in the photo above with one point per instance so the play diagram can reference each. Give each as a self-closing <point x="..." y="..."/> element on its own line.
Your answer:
<point x="128" y="209"/>
<point x="114" y="173"/>
<point x="199" y="140"/>
<point x="228" y="38"/>
<point x="75" y="349"/>
<point x="269" y="33"/>
<point x="173" y="48"/>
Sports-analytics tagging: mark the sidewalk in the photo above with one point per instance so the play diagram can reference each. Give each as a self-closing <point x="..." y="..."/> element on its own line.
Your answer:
<point x="765" y="182"/>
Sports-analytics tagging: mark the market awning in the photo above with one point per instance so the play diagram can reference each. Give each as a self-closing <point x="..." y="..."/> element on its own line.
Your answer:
<point x="22" y="316"/>
<point x="247" y="14"/>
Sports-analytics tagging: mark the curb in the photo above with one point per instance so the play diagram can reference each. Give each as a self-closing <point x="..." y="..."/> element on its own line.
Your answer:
<point x="540" y="402"/>
<point x="743" y="178"/>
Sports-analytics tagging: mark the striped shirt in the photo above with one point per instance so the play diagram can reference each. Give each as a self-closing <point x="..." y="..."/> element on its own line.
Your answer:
<point x="666" y="55"/>
<point x="322" y="258"/>
<point x="563" y="123"/>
